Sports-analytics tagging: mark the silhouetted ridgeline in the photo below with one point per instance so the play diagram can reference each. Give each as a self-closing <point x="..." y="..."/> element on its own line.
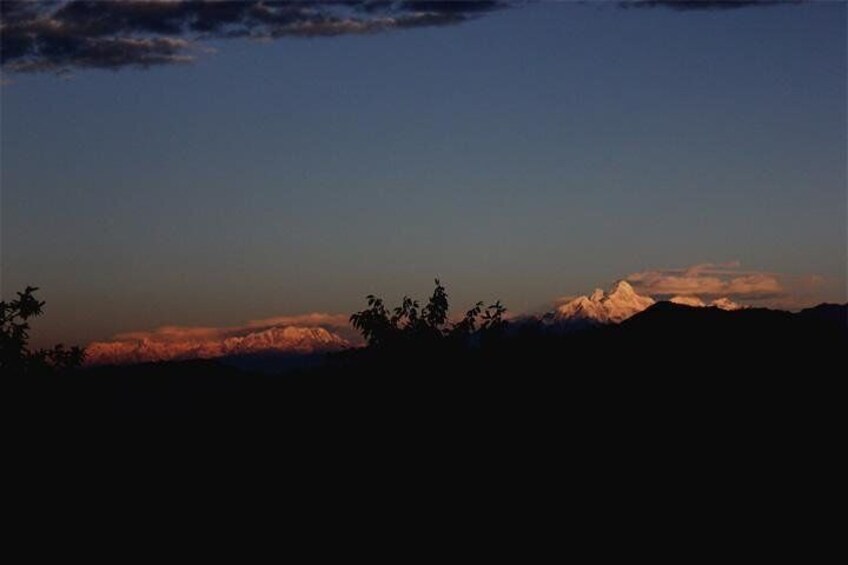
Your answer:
<point x="692" y="411"/>
<point x="667" y="358"/>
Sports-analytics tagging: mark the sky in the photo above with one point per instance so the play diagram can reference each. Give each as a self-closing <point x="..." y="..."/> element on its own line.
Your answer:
<point x="523" y="153"/>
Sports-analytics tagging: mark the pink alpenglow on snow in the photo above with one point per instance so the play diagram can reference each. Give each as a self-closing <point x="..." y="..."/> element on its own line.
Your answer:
<point x="616" y="306"/>
<point x="622" y="302"/>
<point x="721" y="303"/>
<point x="176" y="343"/>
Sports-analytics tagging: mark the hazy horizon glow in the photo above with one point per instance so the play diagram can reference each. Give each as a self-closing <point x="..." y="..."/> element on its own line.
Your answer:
<point x="522" y="154"/>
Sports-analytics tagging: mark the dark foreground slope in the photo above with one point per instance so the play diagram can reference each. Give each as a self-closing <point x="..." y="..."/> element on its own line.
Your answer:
<point x="669" y="357"/>
<point x="695" y="425"/>
<point x="682" y="412"/>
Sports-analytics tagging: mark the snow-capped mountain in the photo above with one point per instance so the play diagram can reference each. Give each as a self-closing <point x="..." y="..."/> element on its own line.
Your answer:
<point x="620" y="303"/>
<point x="289" y="340"/>
<point x="601" y="307"/>
<point x="722" y="303"/>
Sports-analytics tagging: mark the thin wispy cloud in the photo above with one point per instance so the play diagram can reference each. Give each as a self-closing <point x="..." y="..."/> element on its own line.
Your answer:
<point x="80" y="34"/>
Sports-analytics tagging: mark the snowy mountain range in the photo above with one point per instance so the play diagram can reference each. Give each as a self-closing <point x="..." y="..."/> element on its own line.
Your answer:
<point x="289" y="340"/>
<point x="617" y="305"/>
<point x="301" y="338"/>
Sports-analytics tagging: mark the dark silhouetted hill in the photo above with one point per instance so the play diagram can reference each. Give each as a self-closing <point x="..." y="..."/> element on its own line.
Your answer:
<point x="668" y="354"/>
<point x="757" y="338"/>
<point x="701" y="405"/>
<point x="833" y="314"/>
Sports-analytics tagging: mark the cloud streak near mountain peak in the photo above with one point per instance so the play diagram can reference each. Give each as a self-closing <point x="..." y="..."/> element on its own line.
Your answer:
<point x="710" y="280"/>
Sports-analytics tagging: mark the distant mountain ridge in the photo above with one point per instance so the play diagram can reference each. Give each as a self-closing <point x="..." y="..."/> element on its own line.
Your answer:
<point x="276" y="345"/>
<point x="813" y="329"/>
<point x="619" y="304"/>
<point x="834" y="314"/>
<point x="288" y="340"/>
<point x="721" y="303"/>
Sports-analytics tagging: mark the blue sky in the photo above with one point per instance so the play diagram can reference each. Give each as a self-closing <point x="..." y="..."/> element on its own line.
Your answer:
<point x="527" y="154"/>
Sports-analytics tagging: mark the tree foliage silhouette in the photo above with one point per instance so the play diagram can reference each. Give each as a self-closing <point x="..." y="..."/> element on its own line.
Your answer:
<point x="15" y="356"/>
<point x="410" y="325"/>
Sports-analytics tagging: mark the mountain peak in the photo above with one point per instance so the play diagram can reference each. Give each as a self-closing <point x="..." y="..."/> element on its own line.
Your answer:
<point x="617" y="305"/>
<point x="622" y="287"/>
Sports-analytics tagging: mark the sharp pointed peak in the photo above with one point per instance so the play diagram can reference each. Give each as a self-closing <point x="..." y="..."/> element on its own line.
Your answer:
<point x="622" y="286"/>
<point x="618" y="304"/>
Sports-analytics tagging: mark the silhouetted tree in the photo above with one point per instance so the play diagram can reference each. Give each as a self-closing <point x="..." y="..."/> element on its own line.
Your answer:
<point x="15" y="355"/>
<point x="409" y="325"/>
<point x="468" y="324"/>
<point x="436" y="311"/>
<point x="493" y="317"/>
